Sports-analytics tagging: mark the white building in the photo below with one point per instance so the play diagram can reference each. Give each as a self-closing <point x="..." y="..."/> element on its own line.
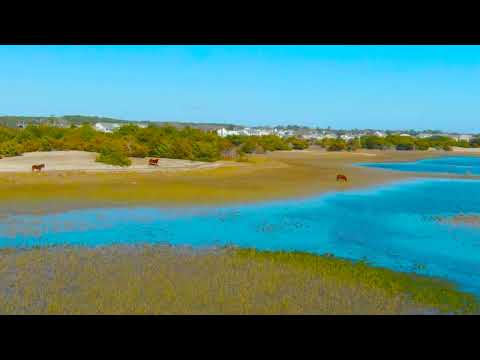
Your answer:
<point x="245" y="131"/>
<point x="283" y="133"/>
<point x="465" y="137"/>
<point x="379" y="134"/>
<point x="327" y="136"/>
<point x="425" y="135"/>
<point x="106" y="127"/>
<point x="224" y="132"/>
<point x="347" y="137"/>
<point x="311" y="136"/>
<point x="256" y="132"/>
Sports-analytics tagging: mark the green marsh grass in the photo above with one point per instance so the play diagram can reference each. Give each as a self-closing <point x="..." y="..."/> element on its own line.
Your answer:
<point x="159" y="279"/>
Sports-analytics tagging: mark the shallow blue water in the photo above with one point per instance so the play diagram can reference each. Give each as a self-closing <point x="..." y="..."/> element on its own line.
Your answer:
<point x="452" y="165"/>
<point x="390" y="226"/>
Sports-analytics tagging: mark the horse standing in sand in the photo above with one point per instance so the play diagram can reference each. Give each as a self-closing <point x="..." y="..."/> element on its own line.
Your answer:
<point x="153" y="162"/>
<point x="38" y="167"/>
<point x="341" y="177"/>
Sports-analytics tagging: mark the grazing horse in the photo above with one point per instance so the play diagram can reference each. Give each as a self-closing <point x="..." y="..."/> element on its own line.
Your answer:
<point x="341" y="177"/>
<point x="153" y="162"/>
<point x="38" y="167"/>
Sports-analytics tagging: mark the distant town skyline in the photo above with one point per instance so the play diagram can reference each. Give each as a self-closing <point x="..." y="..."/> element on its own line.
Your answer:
<point x="344" y="87"/>
<point x="22" y="121"/>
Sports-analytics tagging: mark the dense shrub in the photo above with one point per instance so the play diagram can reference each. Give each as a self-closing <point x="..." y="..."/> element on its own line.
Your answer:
<point x="113" y="157"/>
<point x="299" y="144"/>
<point x="188" y="143"/>
<point x="249" y="146"/>
<point x="404" y="146"/>
<point x="10" y="148"/>
<point x="326" y="142"/>
<point x="374" y="142"/>
<point x="272" y="142"/>
<point x="421" y="144"/>
<point x="205" y="151"/>
<point x="352" y="145"/>
<point x="475" y="142"/>
<point x="337" y="145"/>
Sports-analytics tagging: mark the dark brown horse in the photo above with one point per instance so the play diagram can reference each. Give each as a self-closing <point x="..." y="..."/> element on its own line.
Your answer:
<point x="38" y="167"/>
<point x="153" y="162"/>
<point x="341" y="177"/>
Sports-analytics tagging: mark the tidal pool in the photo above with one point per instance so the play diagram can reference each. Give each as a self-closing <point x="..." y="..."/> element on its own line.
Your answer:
<point x="391" y="226"/>
<point x="465" y="165"/>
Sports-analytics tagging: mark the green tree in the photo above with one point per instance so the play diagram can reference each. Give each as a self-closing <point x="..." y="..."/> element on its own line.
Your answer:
<point x="337" y="145"/>
<point x="475" y="142"/>
<point x="373" y="142"/>
<point x="113" y="157"/>
<point x="352" y="145"/>
<point x="10" y="148"/>
<point x="299" y="144"/>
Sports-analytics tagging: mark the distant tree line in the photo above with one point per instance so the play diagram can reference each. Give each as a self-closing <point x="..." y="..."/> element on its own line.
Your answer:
<point x="13" y="121"/>
<point x="189" y="143"/>
<point x="133" y="141"/>
<point x="397" y="142"/>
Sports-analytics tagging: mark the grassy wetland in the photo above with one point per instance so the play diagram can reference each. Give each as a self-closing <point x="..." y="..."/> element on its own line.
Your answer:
<point x="174" y="280"/>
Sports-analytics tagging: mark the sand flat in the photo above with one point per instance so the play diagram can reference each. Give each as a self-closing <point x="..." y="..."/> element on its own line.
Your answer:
<point x="85" y="161"/>
<point x="468" y="220"/>
<point x="466" y="150"/>
<point x="275" y="175"/>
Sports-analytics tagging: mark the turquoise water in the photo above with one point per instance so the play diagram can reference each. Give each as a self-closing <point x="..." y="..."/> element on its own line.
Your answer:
<point x="391" y="226"/>
<point x="452" y="165"/>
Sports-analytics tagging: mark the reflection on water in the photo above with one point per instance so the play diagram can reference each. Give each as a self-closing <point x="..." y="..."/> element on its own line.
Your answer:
<point x="393" y="226"/>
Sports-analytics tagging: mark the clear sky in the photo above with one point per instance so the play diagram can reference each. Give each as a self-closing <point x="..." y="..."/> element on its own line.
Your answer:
<point x="385" y="87"/>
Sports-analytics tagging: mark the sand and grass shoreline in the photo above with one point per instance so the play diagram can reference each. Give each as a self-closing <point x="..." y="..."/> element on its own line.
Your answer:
<point x="177" y="183"/>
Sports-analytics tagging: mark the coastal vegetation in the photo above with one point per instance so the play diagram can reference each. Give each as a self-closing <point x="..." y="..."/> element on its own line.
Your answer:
<point x="397" y="142"/>
<point x="130" y="140"/>
<point x="159" y="279"/>
<point x="133" y="141"/>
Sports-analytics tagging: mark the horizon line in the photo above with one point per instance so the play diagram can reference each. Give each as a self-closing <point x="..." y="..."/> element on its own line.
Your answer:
<point x="46" y="117"/>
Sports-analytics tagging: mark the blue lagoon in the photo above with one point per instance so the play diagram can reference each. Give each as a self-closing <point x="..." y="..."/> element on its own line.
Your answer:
<point x="448" y="165"/>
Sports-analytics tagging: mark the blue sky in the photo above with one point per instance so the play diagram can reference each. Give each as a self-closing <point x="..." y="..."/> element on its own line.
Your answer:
<point x="385" y="87"/>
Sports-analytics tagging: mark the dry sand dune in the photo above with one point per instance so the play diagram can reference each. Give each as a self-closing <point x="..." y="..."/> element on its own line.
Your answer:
<point x="85" y="161"/>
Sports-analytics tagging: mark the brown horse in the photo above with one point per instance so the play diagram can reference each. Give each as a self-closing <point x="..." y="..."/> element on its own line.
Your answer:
<point x="153" y="162"/>
<point x="38" y="167"/>
<point x="341" y="177"/>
